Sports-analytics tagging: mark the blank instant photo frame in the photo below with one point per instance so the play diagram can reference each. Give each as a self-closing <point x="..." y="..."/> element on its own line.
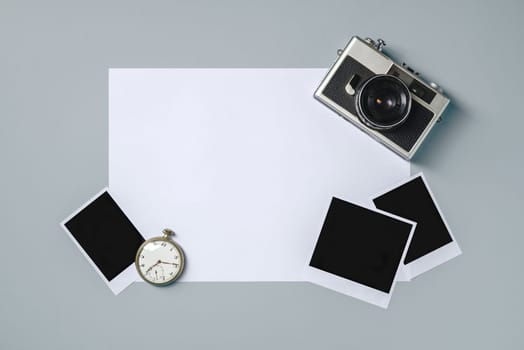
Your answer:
<point x="107" y="238"/>
<point x="433" y="243"/>
<point x="359" y="252"/>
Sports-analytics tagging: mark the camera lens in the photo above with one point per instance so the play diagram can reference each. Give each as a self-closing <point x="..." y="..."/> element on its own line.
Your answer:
<point x="383" y="102"/>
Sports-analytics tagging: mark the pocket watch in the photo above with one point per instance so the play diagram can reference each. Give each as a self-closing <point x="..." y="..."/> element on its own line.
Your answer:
<point x="159" y="260"/>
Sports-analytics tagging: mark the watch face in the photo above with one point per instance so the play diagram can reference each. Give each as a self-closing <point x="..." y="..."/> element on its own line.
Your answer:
<point x="159" y="261"/>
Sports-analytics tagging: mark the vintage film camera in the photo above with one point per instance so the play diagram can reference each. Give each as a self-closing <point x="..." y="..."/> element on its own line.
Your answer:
<point x="388" y="101"/>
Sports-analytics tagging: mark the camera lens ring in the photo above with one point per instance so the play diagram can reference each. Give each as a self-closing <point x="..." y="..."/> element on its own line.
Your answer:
<point x="401" y="101"/>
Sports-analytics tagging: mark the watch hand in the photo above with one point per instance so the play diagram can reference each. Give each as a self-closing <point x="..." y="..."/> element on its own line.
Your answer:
<point x="149" y="269"/>
<point x="164" y="262"/>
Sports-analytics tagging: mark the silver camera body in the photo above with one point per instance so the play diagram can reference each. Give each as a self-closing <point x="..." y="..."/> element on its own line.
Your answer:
<point x="388" y="101"/>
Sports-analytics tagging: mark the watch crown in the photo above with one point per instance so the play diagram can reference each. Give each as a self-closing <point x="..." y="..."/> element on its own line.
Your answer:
<point x="168" y="232"/>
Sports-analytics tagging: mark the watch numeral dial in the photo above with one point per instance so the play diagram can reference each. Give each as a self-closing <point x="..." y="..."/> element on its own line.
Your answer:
<point x="161" y="261"/>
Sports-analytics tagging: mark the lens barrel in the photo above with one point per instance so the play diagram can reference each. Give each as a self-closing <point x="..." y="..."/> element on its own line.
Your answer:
<point x="383" y="102"/>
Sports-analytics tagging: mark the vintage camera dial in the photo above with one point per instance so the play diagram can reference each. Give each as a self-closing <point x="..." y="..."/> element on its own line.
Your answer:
<point x="436" y="87"/>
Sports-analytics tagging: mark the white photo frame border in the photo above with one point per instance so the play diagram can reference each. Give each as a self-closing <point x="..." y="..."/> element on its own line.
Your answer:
<point x="124" y="278"/>
<point x="436" y="257"/>
<point x="354" y="289"/>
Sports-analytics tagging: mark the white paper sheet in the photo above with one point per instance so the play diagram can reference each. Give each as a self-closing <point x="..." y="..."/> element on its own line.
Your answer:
<point x="239" y="162"/>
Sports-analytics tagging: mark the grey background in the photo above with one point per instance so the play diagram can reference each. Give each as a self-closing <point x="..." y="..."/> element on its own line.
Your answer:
<point x="54" y="57"/>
